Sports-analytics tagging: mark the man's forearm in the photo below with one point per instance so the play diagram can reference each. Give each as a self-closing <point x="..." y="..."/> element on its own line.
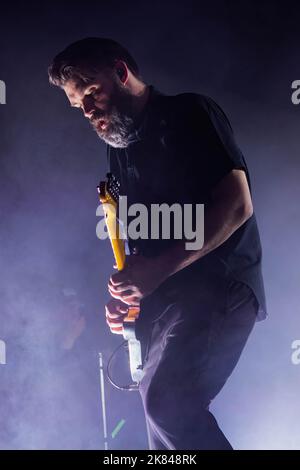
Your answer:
<point x="220" y="222"/>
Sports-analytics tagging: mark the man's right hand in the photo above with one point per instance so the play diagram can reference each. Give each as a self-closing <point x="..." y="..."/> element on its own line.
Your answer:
<point x="115" y="312"/>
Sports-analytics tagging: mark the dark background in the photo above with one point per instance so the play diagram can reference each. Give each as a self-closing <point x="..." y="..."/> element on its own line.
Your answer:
<point x="243" y="54"/>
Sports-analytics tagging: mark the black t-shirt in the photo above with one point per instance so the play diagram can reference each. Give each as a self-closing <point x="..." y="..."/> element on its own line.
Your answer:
<point x="182" y="147"/>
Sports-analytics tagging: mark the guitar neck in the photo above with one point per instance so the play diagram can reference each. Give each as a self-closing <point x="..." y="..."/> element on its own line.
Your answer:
<point x="117" y="242"/>
<point x="113" y="228"/>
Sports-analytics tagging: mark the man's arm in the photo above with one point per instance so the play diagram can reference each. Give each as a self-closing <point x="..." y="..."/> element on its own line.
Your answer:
<point x="231" y="206"/>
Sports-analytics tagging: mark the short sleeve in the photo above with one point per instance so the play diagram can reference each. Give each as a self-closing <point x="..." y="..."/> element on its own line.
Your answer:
<point x="210" y="148"/>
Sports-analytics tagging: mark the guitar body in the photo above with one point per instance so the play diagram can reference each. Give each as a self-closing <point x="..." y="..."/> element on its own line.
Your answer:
<point x="108" y="195"/>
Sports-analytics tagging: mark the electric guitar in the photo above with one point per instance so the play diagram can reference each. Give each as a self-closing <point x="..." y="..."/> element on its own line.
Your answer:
<point x="109" y="196"/>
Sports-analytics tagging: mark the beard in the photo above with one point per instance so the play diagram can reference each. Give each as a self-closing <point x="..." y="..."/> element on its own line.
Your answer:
<point x="119" y="121"/>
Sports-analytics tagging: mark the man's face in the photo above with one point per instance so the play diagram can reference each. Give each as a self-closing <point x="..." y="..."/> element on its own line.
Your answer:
<point x="107" y="104"/>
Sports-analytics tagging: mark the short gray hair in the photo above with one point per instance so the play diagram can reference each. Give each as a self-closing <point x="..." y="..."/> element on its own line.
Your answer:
<point x="82" y="60"/>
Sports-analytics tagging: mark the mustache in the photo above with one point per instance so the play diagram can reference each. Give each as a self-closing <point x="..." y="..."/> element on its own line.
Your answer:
<point x="97" y="116"/>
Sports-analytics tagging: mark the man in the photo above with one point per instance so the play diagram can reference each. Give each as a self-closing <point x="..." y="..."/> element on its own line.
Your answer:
<point x="202" y="303"/>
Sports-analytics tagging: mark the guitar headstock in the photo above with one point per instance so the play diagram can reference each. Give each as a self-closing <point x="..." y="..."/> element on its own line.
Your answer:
<point x="109" y="190"/>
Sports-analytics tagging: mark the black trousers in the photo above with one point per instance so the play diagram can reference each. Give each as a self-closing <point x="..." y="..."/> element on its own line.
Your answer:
<point x="193" y="348"/>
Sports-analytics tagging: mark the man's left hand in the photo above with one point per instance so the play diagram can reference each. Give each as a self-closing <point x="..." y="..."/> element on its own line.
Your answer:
<point x="140" y="277"/>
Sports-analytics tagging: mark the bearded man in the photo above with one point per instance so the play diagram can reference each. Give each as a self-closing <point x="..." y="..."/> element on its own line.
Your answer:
<point x="203" y="303"/>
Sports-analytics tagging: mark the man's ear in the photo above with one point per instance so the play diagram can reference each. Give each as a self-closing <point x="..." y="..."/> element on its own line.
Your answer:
<point x="121" y="71"/>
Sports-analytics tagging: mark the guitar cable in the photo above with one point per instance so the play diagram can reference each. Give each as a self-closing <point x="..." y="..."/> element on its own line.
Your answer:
<point x="128" y="388"/>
